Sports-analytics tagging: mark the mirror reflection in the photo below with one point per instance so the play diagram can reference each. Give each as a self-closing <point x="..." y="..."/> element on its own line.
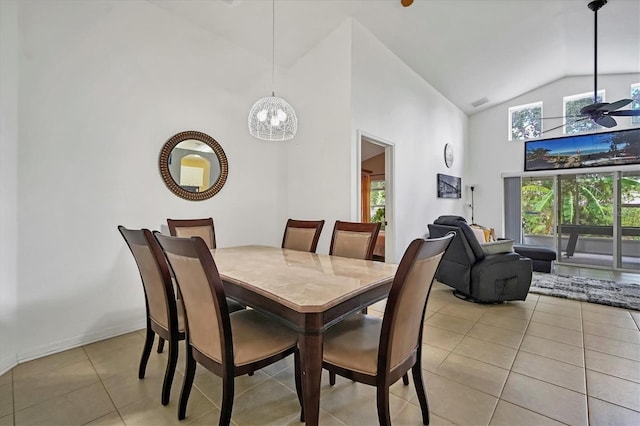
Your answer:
<point x="193" y="165"/>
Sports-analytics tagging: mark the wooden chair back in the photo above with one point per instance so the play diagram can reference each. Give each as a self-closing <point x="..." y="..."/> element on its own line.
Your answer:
<point x="405" y="308"/>
<point x="354" y="239"/>
<point x="302" y="235"/>
<point x="156" y="279"/>
<point x="206" y="311"/>
<point x="186" y="228"/>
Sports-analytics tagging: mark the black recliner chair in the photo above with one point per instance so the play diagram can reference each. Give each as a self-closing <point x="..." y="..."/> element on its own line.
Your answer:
<point x="473" y="274"/>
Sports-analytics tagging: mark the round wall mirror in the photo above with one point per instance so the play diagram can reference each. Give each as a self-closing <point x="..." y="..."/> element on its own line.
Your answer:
<point x="193" y="165"/>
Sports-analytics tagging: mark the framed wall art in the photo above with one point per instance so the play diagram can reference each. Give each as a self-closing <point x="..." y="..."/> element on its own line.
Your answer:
<point x="449" y="186"/>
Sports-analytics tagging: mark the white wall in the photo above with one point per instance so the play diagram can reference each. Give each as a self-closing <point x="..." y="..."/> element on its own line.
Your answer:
<point x="318" y="159"/>
<point x="391" y="102"/>
<point x="491" y="153"/>
<point x="8" y="182"/>
<point x="102" y="86"/>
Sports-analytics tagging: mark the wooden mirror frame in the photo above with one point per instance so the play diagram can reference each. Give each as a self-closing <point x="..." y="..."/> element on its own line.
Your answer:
<point x="171" y="183"/>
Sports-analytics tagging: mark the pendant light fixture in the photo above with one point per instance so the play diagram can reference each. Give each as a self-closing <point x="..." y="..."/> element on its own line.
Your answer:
<point x="272" y="118"/>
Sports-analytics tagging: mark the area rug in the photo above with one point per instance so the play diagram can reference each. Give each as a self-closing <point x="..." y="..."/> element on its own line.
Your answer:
<point x="604" y="292"/>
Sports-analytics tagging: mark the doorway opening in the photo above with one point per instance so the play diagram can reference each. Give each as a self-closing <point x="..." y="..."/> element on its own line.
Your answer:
<point x="376" y="192"/>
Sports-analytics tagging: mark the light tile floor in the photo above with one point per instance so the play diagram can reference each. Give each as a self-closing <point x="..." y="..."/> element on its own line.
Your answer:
<point x="544" y="361"/>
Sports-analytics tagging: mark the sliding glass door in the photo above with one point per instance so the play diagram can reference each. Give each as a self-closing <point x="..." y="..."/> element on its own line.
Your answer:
<point x="591" y="219"/>
<point x="629" y="247"/>
<point x="585" y="212"/>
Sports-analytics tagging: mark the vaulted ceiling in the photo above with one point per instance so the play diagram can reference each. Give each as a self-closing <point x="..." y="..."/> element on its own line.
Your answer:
<point x="466" y="49"/>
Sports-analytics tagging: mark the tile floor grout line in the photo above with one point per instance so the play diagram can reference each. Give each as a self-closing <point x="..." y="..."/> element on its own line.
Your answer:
<point x="535" y="412"/>
<point x="524" y="333"/>
<point x="613" y="403"/>
<point x="457" y="344"/>
<point x="13" y="398"/>
<point x="584" y="358"/>
<point x="617" y="340"/>
<point x="614" y="376"/>
<point x="50" y="398"/>
<point x="103" y="387"/>
<point x="548" y="357"/>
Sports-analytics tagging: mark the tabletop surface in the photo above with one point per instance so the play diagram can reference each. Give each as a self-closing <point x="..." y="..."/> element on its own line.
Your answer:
<point x="305" y="282"/>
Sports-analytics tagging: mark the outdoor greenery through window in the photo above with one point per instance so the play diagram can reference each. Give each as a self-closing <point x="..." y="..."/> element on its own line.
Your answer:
<point x="574" y="122"/>
<point x="525" y="121"/>
<point x="537" y="206"/>
<point x="630" y="199"/>
<point x="377" y="200"/>
<point x="585" y="199"/>
<point x="635" y="96"/>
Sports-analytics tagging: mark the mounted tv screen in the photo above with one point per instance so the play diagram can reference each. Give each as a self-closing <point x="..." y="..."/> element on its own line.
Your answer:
<point x="592" y="150"/>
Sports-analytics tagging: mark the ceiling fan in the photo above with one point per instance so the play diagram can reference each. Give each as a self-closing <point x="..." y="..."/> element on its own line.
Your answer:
<point x="601" y="113"/>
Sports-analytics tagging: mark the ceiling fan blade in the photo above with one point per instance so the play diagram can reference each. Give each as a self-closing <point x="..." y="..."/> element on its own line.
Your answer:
<point x="626" y="113"/>
<point x="615" y="105"/>
<point x="606" y="121"/>
<point x="593" y="107"/>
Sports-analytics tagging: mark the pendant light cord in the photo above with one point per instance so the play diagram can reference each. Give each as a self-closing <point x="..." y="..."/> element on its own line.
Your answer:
<point x="273" y="47"/>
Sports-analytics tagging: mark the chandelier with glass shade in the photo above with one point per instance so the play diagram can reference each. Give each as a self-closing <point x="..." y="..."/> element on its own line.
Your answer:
<point x="272" y="118"/>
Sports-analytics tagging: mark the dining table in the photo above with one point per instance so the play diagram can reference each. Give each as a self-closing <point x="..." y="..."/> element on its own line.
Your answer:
<point x="308" y="292"/>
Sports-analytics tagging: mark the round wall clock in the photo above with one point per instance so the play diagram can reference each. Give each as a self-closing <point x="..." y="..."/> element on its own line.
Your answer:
<point x="448" y="155"/>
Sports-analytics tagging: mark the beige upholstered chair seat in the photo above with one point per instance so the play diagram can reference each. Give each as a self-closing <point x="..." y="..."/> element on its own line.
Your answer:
<point x="353" y="344"/>
<point x="257" y="337"/>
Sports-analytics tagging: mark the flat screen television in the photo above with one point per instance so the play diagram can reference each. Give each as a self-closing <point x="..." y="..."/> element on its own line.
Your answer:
<point x="590" y="150"/>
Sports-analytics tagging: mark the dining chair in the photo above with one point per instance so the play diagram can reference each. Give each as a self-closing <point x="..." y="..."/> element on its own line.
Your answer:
<point x="302" y="235"/>
<point x="165" y="317"/>
<point x="204" y="229"/>
<point x="354" y="239"/>
<point x="379" y="351"/>
<point x="227" y="344"/>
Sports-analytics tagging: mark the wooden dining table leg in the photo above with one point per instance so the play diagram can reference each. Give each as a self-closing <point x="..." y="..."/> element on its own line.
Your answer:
<point x="311" y="367"/>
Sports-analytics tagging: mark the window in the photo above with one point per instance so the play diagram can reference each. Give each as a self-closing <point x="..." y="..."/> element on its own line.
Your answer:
<point x="377" y="200"/>
<point x="525" y="121"/>
<point x="635" y="95"/>
<point x="574" y="122"/>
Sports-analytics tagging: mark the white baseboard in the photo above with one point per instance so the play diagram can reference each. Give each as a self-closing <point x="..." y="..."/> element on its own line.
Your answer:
<point x="74" y="342"/>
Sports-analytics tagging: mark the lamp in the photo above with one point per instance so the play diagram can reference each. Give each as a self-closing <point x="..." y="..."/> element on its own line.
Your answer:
<point x="272" y="118"/>
<point x="472" y="187"/>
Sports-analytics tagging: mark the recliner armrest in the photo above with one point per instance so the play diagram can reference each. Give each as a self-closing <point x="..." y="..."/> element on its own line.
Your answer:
<point x="491" y="259"/>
